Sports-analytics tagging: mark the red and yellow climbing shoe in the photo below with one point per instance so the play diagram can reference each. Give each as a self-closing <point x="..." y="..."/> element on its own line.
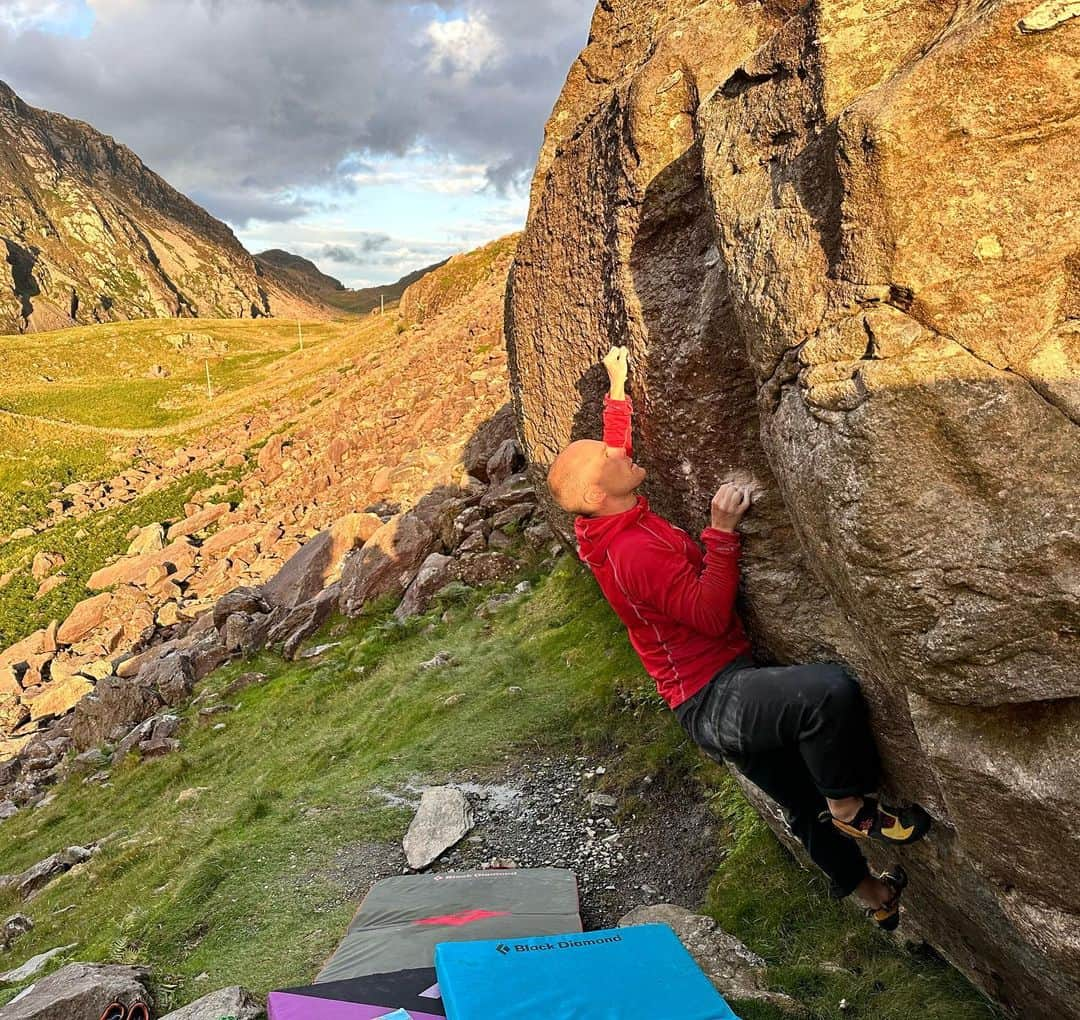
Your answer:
<point x="114" y="1011"/>
<point x="139" y="1011"/>
<point x="884" y="823"/>
<point x="888" y="915"/>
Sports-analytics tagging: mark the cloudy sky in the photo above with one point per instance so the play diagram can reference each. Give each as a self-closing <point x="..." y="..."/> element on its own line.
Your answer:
<point x="373" y="136"/>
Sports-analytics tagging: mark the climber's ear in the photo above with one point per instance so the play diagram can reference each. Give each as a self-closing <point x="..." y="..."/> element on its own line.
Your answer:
<point x="593" y="497"/>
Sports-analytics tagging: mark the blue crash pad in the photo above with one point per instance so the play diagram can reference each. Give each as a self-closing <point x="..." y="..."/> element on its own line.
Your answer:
<point x="636" y="973"/>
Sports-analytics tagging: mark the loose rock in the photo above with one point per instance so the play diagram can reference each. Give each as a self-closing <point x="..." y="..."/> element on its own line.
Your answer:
<point x="443" y="818"/>
<point x="234" y="1003"/>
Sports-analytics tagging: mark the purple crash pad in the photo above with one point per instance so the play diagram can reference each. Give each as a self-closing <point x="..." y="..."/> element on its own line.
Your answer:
<point x="289" y="1006"/>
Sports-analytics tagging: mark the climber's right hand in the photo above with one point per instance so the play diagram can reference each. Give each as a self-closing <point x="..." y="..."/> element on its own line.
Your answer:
<point x="729" y="505"/>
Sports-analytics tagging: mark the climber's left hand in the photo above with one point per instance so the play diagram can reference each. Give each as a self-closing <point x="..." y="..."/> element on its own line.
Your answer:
<point x="616" y="361"/>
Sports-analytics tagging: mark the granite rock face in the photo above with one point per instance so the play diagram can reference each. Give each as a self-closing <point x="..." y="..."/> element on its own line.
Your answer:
<point x="841" y="243"/>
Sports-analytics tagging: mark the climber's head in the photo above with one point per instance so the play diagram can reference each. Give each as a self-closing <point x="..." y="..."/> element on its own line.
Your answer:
<point x="589" y="477"/>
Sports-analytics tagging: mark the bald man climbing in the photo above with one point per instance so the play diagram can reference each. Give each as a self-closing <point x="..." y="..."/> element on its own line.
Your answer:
<point x="800" y="733"/>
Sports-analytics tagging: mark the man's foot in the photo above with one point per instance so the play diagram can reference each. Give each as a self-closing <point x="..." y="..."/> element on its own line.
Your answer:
<point x="886" y="824"/>
<point x="887" y="915"/>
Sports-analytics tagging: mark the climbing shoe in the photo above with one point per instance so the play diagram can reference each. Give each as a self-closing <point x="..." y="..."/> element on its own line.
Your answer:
<point x="884" y="823"/>
<point x="139" y="1011"/>
<point x="888" y="916"/>
<point x="114" y="1011"/>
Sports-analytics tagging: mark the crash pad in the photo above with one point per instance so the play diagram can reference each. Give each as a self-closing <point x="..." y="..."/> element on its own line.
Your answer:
<point x="412" y="994"/>
<point x="402" y="919"/>
<point x="630" y="973"/>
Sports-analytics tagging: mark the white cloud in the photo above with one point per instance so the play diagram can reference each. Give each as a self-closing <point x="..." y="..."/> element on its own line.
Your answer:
<point x="110" y="8"/>
<point x="423" y="171"/>
<point x="22" y="15"/>
<point x="462" y="47"/>
<point x="279" y="114"/>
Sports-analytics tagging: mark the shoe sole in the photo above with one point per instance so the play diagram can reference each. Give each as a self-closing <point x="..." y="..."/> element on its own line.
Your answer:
<point x="888" y="918"/>
<point x="893" y="835"/>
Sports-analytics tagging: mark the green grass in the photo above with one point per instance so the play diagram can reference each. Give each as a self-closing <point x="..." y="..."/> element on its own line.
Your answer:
<point x="86" y="398"/>
<point x="85" y="545"/>
<point x="458" y="277"/>
<point x="98" y="375"/>
<point x="785" y="915"/>
<point x="33" y="456"/>
<point x="240" y="883"/>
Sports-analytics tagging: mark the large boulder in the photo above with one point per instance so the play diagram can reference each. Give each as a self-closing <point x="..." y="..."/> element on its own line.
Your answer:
<point x="60" y="696"/>
<point x="41" y="874"/>
<point x="435" y="573"/>
<point x="485" y="442"/>
<point x="80" y="990"/>
<point x="84" y="618"/>
<point x="198" y="521"/>
<point x="134" y="569"/>
<point x="25" y="971"/>
<point x="172" y="676"/>
<point x="291" y="627"/>
<point x="150" y="539"/>
<point x="109" y="712"/>
<point x="386" y="563"/>
<point x="318" y="563"/>
<point x="841" y="243"/>
<point x="248" y="601"/>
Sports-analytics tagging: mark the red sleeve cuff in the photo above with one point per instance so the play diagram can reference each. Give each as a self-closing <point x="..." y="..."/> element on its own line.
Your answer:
<point x="721" y="539"/>
<point x="609" y="402"/>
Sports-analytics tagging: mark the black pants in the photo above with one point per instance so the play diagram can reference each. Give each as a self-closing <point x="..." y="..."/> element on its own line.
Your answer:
<point x="800" y="734"/>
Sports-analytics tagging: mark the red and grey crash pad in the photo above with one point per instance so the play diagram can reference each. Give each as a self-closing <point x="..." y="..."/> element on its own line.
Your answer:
<point x="411" y="994"/>
<point x="403" y="919"/>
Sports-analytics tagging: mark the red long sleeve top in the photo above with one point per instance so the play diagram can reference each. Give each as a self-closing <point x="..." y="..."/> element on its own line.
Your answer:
<point x="677" y="603"/>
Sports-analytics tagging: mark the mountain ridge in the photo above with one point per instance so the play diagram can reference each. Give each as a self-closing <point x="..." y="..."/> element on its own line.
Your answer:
<point x="92" y="234"/>
<point x="305" y="277"/>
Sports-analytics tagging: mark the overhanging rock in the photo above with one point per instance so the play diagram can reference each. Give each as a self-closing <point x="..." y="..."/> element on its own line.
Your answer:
<point x="840" y="242"/>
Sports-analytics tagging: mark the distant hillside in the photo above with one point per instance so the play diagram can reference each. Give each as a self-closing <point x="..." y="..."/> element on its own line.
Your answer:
<point x="428" y="295"/>
<point x="91" y="234"/>
<point x="306" y="278"/>
<point x="299" y="273"/>
<point x="366" y="299"/>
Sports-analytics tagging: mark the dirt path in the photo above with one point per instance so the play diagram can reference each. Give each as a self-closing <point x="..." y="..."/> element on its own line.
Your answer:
<point x="537" y="813"/>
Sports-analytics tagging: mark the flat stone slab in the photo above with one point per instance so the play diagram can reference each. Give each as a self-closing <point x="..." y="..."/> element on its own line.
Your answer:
<point x="41" y="874"/>
<point x="32" y="966"/>
<point x="443" y="818"/>
<point x="235" y="1003"/>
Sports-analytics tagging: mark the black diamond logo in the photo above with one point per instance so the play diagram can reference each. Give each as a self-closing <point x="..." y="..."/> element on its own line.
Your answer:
<point x="502" y="948"/>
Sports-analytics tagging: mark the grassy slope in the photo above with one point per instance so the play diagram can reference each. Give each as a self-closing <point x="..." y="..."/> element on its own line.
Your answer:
<point x="97" y="378"/>
<point x="238" y="882"/>
<point x="89" y="386"/>
<point x="98" y="375"/>
<point x="437" y="291"/>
